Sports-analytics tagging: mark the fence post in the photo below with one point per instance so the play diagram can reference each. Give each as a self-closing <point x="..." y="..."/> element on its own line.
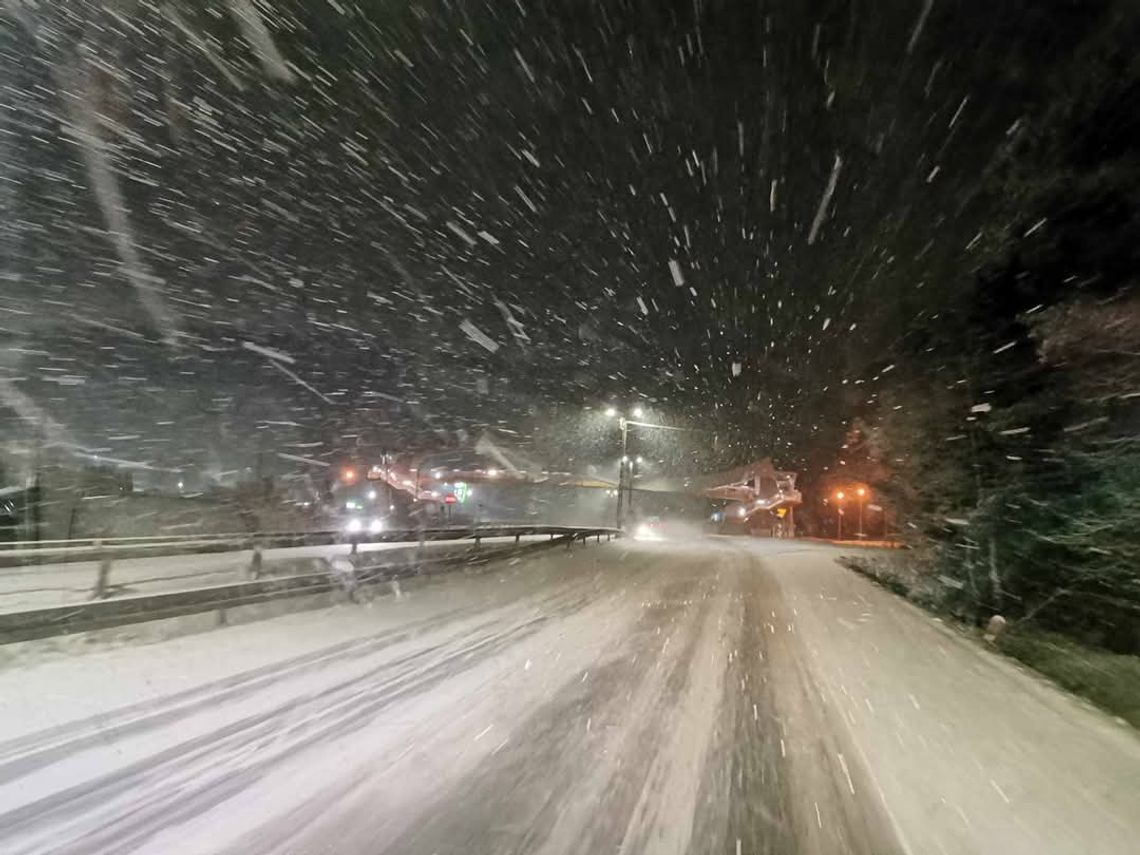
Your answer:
<point x="103" y="575"/>
<point x="255" y="562"/>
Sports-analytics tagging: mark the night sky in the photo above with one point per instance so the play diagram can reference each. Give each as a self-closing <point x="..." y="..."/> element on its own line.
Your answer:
<point x="290" y="226"/>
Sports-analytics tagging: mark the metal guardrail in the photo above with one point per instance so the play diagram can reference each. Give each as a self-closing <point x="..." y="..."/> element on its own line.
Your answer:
<point x="20" y="553"/>
<point x="102" y="613"/>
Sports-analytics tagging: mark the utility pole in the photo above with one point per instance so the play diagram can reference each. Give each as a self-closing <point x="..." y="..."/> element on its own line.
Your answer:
<point x="625" y="424"/>
<point x="621" y="468"/>
<point x="632" y="475"/>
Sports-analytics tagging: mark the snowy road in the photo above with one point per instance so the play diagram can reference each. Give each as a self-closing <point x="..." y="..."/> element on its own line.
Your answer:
<point x="724" y="696"/>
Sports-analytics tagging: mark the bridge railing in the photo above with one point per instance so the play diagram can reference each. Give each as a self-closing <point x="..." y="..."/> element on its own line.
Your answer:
<point x="343" y="574"/>
<point x="17" y="553"/>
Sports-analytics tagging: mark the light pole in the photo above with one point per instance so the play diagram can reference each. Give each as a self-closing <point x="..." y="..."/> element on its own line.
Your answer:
<point x="839" y="496"/>
<point x="624" y="425"/>
<point x="634" y="462"/>
<point x="862" y="493"/>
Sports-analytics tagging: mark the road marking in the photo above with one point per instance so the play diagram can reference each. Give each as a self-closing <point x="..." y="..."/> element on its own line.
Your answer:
<point x="484" y="732"/>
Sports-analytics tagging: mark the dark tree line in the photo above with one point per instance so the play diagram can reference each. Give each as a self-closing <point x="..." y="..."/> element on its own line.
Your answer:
<point x="1009" y="431"/>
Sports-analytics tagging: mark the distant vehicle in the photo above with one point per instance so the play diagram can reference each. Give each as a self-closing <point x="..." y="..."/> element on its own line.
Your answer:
<point x="649" y="528"/>
<point x="360" y="524"/>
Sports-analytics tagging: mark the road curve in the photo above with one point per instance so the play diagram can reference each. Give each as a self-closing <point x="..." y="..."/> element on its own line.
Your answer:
<point x="721" y="696"/>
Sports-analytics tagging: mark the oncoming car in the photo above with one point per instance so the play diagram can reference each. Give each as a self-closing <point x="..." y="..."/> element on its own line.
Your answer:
<point x="356" y="525"/>
<point x="648" y="529"/>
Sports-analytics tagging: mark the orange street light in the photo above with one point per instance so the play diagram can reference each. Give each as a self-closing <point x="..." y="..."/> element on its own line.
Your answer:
<point x="862" y="492"/>
<point x="839" y="495"/>
<point x="349" y="475"/>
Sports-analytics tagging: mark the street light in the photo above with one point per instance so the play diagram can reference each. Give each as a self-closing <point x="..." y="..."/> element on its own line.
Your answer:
<point x="633" y="467"/>
<point x="839" y="497"/>
<point x="625" y="424"/>
<point x="862" y="493"/>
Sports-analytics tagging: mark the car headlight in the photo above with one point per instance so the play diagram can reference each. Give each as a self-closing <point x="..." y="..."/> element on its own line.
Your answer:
<point x="376" y="526"/>
<point x="354" y="526"/>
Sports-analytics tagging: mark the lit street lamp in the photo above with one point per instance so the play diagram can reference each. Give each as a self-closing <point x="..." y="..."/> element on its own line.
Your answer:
<point x="839" y="497"/>
<point x="625" y="424"/>
<point x="862" y="493"/>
